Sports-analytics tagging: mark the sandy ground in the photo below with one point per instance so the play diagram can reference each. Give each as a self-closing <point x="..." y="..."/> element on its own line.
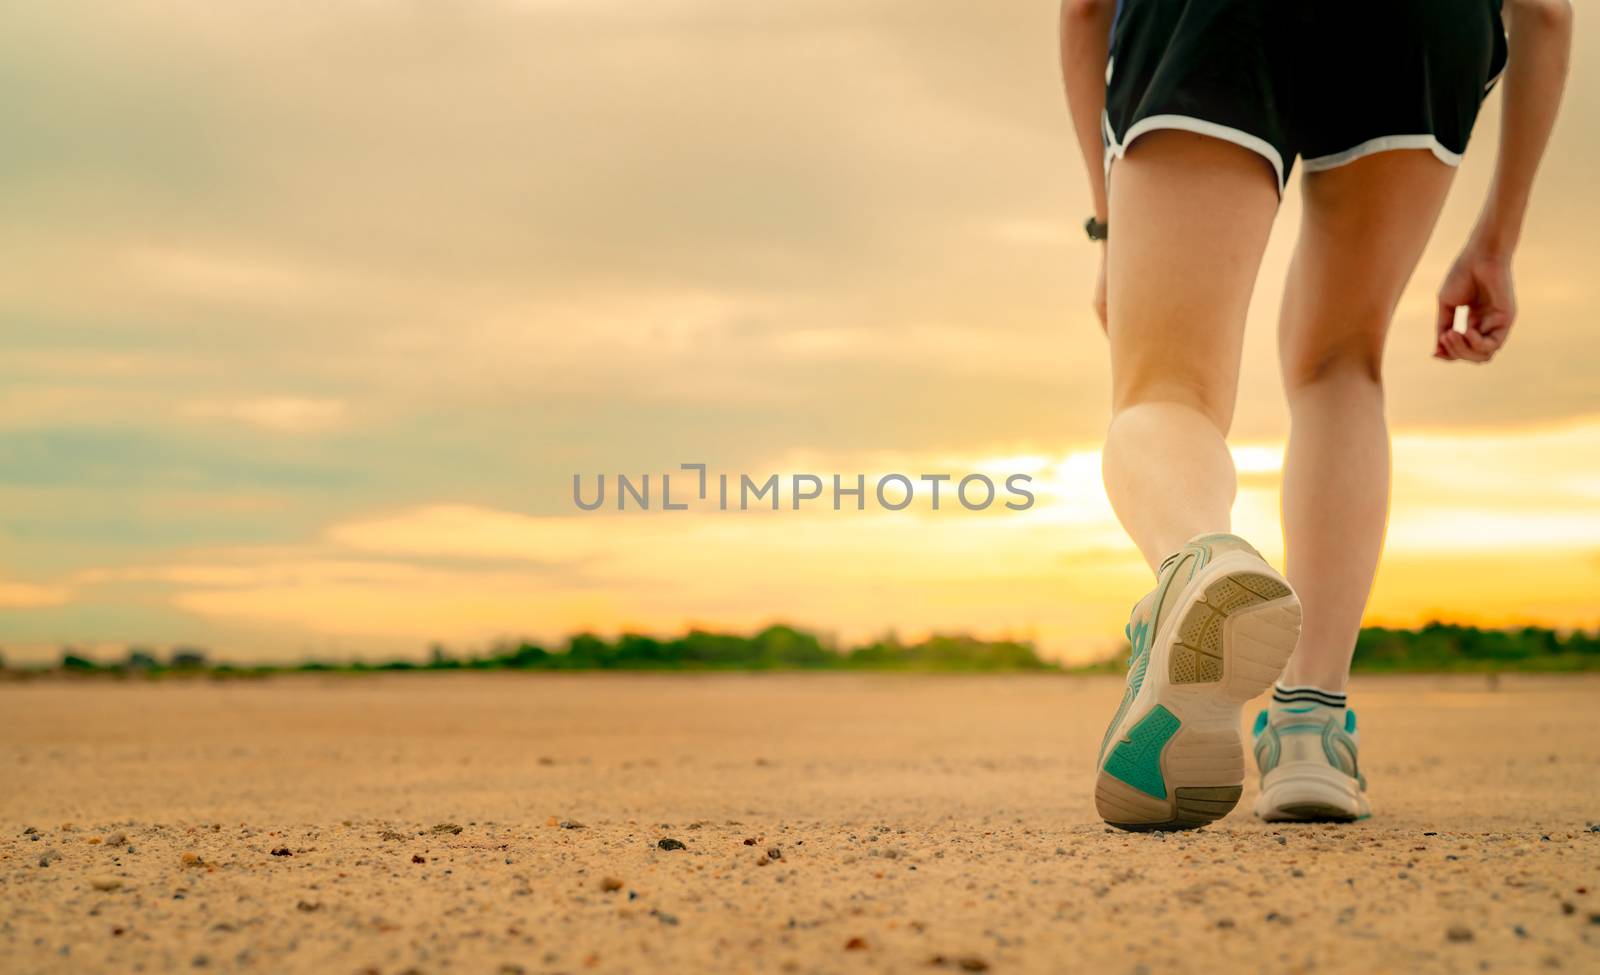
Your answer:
<point x="511" y="823"/>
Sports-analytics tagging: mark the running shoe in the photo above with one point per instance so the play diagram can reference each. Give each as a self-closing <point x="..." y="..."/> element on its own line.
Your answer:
<point x="1306" y="751"/>
<point x="1215" y="632"/>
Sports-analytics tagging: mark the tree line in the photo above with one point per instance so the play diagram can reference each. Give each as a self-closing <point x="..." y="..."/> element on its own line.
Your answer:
<point x="1434" y="647"/>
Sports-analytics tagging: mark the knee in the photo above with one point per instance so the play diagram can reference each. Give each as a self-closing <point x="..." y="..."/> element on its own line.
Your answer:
<point x="1183" y="386"/>
<point x="1345" y="353"/>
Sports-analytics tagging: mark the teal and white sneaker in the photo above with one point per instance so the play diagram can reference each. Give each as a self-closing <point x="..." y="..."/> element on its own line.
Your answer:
<point x="1216" y="631"/>
<point x="1306" y="751"/>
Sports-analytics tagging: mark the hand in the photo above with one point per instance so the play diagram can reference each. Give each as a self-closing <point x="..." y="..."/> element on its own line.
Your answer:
<point x="1100" y="290"/>
<point x="1482" y="282"/>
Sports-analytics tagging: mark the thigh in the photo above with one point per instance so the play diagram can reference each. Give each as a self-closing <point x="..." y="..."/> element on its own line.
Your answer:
<point x="1190" y="217"/>
<point x="1363" y="230"/>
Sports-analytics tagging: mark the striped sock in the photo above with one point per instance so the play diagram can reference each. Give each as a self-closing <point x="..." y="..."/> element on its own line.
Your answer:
<point x="1307" y="695"/>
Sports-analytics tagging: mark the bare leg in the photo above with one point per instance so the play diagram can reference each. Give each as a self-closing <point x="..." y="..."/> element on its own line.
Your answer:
<point x="1191" y="216"/>
<point x="1364" y="228"/>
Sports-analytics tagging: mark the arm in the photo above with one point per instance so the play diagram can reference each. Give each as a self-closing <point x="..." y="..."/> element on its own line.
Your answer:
<point x="1085" y="37"/>
<point x="1539" y="42"/>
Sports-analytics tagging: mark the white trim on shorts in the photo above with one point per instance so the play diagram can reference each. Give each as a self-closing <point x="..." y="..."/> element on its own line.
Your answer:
<point x="1150" y="123"/>
<point x="1384" y="143"/>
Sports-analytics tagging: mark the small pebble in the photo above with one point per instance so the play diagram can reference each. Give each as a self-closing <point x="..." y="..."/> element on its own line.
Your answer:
<point x="48" y="857"/>
<point x="571" y="824"/>
<point x="1458" y="933"/>
<point x="282" y="851"/>
<point x="451" y="828"/>
<point x="418" y="858"/>
<point x="671" y="844"/>
<point x="610" y="884"/>
<point x="856" y="944"/>
<point x="105" y="883"/>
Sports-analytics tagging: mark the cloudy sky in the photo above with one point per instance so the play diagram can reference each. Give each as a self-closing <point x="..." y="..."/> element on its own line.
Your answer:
<point x="310" y="312"/>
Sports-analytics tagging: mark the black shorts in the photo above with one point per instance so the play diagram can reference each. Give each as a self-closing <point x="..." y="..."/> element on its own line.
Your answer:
<point x="1327" y="80"/>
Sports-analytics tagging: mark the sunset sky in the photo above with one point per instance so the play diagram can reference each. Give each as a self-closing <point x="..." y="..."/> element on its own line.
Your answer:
<point x="310" y="312"/>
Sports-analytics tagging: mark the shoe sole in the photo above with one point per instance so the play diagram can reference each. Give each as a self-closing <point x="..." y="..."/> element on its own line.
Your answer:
<point x="1309" y="792"/>
<point x="1177" y="761"/>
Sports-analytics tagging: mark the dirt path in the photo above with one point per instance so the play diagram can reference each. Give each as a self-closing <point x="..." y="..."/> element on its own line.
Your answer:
<point x="829" y="824"/>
